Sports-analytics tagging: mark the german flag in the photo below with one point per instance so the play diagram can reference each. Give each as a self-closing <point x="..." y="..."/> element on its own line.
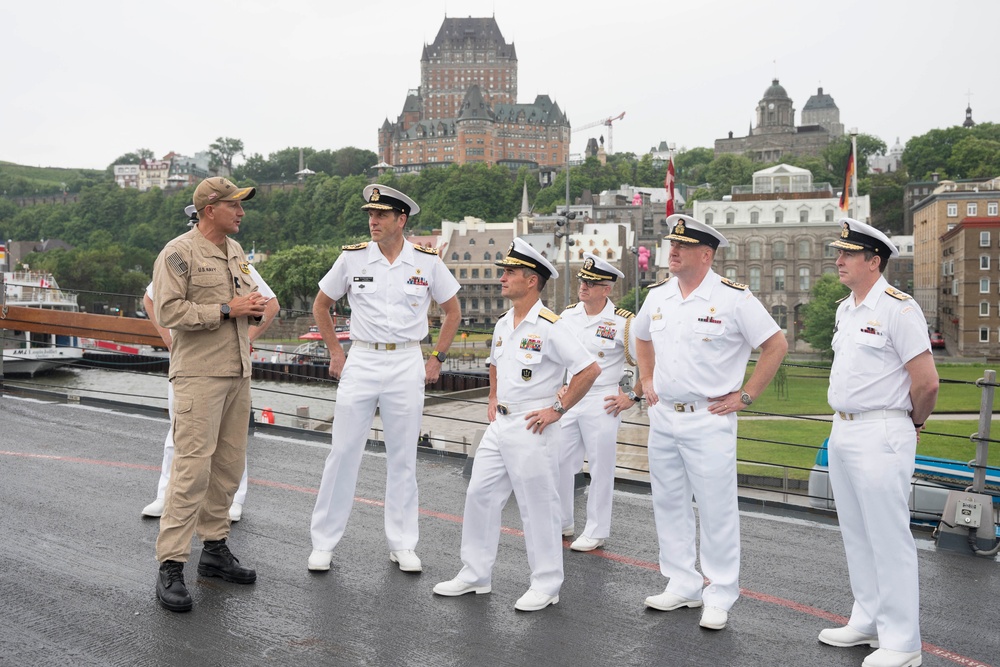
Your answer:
<point x="845" y="199"/>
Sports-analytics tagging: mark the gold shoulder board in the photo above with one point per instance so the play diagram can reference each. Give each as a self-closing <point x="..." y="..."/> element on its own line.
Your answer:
<point x="729" y="283"/>
<point x="355" y="246"/>
<point x="621" y="312"/>
<point x="896" y="294"/>
<point x="548" y="315"/>
<point x="843" y="297"/>
<point x="662" y="282"/>
<point x="571" y="306"/>
<point x="429" y="251"/>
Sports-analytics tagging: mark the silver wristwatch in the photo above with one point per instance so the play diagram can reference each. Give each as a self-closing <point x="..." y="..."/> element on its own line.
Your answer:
<point x="745" y="398"/>
<point x="632" y="397"/>
<point x="558" y="407"/>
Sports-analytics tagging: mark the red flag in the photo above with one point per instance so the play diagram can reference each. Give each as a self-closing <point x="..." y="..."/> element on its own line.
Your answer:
<point x="668" y="183"/>
<point x="845" y="199"/>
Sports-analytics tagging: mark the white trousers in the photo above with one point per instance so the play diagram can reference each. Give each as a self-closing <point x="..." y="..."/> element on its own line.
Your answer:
<point x="695" y="452"/>
<point x="393" y="381"/>
<point x="871" y="465"/>
<point x="588" y="429"/>
<point x="512" y="458"/>
<point x="168" y="457"/>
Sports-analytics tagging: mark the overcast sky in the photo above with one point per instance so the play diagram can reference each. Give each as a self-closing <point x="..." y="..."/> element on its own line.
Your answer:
<point x="84" y="82"/>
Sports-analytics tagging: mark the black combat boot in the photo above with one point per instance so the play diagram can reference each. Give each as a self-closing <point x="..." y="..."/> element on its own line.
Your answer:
<point x="170" y="588"/>
<point x="218" y="561"/>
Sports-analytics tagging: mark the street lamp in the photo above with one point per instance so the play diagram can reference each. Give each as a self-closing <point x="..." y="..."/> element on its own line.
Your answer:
<point x="563" y="222"/>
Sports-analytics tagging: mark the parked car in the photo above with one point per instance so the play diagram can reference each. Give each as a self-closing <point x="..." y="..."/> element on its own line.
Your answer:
<point x="937" y="341"/>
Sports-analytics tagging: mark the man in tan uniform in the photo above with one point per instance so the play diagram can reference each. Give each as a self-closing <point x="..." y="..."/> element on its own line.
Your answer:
<point x="206" y="296"/>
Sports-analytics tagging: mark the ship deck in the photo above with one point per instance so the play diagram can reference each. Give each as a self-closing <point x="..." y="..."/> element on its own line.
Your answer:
<point x="77" y="581"/>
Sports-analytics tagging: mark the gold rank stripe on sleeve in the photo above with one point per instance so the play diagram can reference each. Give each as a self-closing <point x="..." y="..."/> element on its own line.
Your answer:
<point x="429" y="251"/>
<point x="729" y="283"/>
<point x="177" y="263"/>
<point x="355" y="246"/>
<point x="896" y="294"/>
<point x="548" y="315"/>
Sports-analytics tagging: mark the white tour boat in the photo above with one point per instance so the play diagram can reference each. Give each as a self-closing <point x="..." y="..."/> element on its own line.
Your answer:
<point x="26" y="353"/>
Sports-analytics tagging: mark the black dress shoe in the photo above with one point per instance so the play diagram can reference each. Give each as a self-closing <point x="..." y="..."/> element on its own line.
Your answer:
<point x="218" y="561"/>
<point x="170" y="588"/>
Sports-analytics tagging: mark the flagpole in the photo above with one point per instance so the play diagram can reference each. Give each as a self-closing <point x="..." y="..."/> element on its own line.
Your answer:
<point x="854" y="172"/>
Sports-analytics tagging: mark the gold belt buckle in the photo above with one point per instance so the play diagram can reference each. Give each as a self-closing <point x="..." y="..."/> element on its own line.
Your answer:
<point x="846" y="416"/>
<point x="390" y="346"/>
<point x="502" y="409"/>
<point x="678" y="407"/>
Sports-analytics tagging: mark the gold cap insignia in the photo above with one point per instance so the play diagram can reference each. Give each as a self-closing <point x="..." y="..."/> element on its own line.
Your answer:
<point x="375" y="195"/>
<point x="589" y="264"/>
<point x="679" y="228"/>
<point x="846" y="231"/>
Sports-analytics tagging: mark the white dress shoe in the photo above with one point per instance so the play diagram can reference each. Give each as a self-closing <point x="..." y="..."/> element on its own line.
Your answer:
<point x="459" y="587"/>
<point x="533" y="601"/>
<point x="714" y="618"/>
<point x="584" y="543"/>
<point x="567" y="531"/>
<point x="319" y="560"/>
<point x="235" y="512"/>
<point x="667" y="601"/>
<point x="407" y="559"/>
<point x="888" y="658"/>
<point x="154" y="509"/>
<point x="847" y="636"/>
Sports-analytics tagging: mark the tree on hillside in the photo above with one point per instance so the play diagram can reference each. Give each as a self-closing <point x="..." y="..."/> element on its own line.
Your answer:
<point x="836" y="154"/>
<point x="932" y="152"/>
<point x="728" y="170"/>
<point x="819" y="315"/>
<point x="223" y="150"/>
<point x="690" y="165"/>
<point x="293" y="273"/>
<point x="886" y="192"/>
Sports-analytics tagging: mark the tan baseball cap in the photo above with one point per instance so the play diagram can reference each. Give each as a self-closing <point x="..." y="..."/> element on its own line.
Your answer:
<point x="216" y="189"/>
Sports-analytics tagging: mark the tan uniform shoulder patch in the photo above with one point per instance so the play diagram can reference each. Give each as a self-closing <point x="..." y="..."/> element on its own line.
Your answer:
<point x="548" y="315"/>
<point x="177" y="263"/>
<point x="355" y="246"/>
<point x="729" y="283"/>
<point x="896" y="294"/>
<point x="429" y="251"/>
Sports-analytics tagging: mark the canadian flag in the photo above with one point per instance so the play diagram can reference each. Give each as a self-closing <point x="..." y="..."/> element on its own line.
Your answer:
<point x="668" y="183"/>
<point x="44" y="283"/>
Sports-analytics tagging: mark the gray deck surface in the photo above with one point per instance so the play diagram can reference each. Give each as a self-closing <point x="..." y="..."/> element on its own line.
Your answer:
<point x="77" y="572"/>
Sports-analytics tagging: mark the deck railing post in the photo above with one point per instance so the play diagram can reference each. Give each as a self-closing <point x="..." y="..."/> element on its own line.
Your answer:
<point x="988" y="385"/>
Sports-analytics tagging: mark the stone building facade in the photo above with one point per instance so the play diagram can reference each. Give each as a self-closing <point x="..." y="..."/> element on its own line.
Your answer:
<point x="933" y="217"/>
<point x="970" y="290"/>
<point x="775" y="134"/>
<point x="466" y="108"/>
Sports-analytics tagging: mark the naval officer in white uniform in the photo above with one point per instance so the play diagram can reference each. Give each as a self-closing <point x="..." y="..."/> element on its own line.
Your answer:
<point x="389" y="283"/>
<point x="531" y="351"/>
<point x="591" y="427"/>
<point x="883" y="386"/>
<point x="695" y="334"/>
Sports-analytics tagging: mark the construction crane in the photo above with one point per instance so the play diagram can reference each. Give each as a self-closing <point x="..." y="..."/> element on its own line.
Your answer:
<point x="607" y="122"/>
